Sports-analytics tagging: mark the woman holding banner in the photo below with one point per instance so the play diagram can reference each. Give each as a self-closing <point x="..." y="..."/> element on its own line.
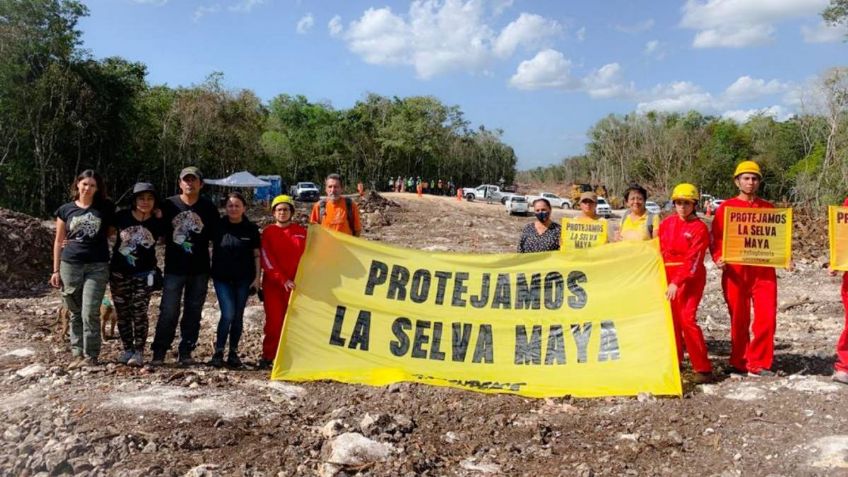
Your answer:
<point x="283" y="243"/>
<point x="840" y="369"/>
<point x="684" y="241"/>
<point x="747" y="285"/>
<point x="587" y="230"/>
<point x="543" y="234"/>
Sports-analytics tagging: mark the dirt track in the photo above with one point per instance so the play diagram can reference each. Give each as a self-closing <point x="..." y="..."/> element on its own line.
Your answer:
<point x="113" y="420"/>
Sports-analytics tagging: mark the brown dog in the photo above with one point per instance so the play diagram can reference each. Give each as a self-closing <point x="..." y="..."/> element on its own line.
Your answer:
<point x="108" y="316"/>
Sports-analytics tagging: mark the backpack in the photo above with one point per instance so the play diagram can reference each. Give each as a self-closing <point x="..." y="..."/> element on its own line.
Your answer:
<point x="322" y="211"/>
<point x="649" y="221"/>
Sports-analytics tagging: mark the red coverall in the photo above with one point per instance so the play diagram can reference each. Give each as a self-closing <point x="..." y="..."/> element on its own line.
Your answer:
<point x="282" y="248"/>
<point x="683" y="245"/>
<point x="742" y="286"/>
<point x="842" y="346"/>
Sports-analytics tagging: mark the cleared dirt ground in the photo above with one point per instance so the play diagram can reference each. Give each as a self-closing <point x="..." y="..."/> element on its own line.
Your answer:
<point x="114" y="420"/>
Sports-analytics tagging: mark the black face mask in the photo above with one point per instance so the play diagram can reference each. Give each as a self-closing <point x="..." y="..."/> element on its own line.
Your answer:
<point x="542" y="216"/>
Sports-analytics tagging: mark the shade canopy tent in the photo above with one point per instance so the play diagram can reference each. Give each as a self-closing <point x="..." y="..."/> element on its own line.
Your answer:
<point x="239" y="179"/>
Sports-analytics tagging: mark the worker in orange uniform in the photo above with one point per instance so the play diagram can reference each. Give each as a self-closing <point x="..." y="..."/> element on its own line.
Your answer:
<point x="840" y="368"/>
<point x="746" y="285"/>
<point x="336" y="212"/>
<point x="283" y="243"/>
<point x="684" y="241"/>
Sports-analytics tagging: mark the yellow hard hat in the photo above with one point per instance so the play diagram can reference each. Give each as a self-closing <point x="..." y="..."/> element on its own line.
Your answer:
<point x="282" y="199"/>
<point x="747" y="167"/>
<point x="685" y="191"/>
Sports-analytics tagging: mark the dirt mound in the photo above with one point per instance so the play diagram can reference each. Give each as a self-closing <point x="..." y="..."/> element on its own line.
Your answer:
<point x="25" y="252"/>
<point x="374" y="202"/>
<point x="810" y="236"/>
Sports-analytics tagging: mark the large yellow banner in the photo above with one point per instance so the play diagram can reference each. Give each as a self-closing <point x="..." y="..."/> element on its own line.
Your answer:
<point x="591" y="323"/>
<point x="577" y="233"/>
<point x="758" y="237"/>
<point x="837" y="232"/>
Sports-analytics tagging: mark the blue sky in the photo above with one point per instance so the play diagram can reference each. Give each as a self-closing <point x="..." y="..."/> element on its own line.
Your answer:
<point x="543" y="71"/>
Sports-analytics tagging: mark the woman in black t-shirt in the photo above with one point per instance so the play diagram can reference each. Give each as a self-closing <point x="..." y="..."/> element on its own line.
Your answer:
<point x="235" y="272"/>
<point x="81" y="262"/>
<point x="133" y="270"/>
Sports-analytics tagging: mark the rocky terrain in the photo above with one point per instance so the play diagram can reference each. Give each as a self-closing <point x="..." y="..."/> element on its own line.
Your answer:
<point x="201" y="421"/>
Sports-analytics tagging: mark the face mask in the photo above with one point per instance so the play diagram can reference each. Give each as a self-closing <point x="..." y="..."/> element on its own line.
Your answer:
<point x="542" y="216"/>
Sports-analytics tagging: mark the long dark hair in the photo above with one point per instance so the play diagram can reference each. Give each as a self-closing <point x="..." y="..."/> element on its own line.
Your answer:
<point x="99" y="194"/>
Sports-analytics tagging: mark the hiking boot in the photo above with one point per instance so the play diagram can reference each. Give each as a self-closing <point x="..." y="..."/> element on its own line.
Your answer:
<point x="125" y="356"/>
<point x="186" y="360"/>
<point x="264" y="364"/>
<point x="761" y="373"/>
<point x="76" y="362"/>
<point x="90" y="362"/>
<point x="136" y="360"/>
<point x="158" y="359"/>
<point x="840" y="377"/>
<point x="702" y="378"/>
<point x="233" y="361"/>
<point x="217" y="360"/>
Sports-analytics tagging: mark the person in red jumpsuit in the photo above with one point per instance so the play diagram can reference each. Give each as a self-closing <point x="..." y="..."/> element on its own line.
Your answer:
<point x="283" y="243"/>
<point x="745" y="285"/>
<point x="684" y="240"/>
<point x="840" y="368"/>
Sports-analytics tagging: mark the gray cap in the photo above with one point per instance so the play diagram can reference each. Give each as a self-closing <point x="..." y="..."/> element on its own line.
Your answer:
<point x="140" y="187"/>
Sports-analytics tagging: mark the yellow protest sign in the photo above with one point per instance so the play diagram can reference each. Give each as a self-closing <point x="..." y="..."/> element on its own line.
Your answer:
<point x="759" y="237"/>
<point x="539" y="324"/>
<point x="837" y="232"/>
<point x="579" y="234"/>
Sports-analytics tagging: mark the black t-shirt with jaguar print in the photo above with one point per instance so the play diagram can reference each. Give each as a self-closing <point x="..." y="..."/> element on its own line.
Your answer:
<point x="189" y="230"/>
<point x="135" y="245"/>
<point x="86" y="231"/>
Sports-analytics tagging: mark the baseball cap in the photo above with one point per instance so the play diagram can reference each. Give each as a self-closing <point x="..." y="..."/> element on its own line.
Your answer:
<point x="589" y="196"/>
<point x="191" y="171"/>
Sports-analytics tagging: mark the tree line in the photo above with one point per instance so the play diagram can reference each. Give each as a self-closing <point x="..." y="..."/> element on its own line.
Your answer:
<point x="63" y="111"/>
<point x="804" y="159"/>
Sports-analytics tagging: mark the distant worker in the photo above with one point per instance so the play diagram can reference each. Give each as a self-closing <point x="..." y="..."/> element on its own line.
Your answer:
<point x="745" y="285"/>
<point x="336" y="212"/>
<point x="684" y="241"/>
<point x="840" y="368"/>
<point x="360" y="188"/>
<point x="419" y="188"/>
<point x="542" y="235"/>
<point x="637" y="223"/>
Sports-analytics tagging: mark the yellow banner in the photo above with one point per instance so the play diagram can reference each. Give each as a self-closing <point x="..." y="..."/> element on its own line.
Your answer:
<point x="579" y="234"/>
<point x="759" y="237"/>
<point x="837" y="232"/>
<point x="591" y="323"/>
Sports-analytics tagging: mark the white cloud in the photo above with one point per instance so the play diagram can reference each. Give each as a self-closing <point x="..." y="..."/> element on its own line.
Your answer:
<point x="741" y="23"/>
<point x="654" y="49"/>
<point x="746" y="88"/>
<point x="606" y="82"/>
<point x="824" y="33"/>
<point x="204" y="10"/>
<point x="636" y="27"/>
<point x="680" y="96"/>
<point x="548" y="69"/>
<point x="437" y="36"/>
<point x="779" y="113"/>
<point x="244" y="6"/>
<point x="305" y="24"/>
<point x="581" y="34"/>
<point x="527" y="30"/>
<point x="335" y="26"/>
<point x="500" y="6"/>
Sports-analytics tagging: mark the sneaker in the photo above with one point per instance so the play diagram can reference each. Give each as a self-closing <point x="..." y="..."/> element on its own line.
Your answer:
<point x="217" y="360"/>
<point x="90" y="362"/>
<point x="186" y="360"/>
<point x="233" y="361"/>
<point x="761" y="373"/>
<point x="158" y="359"/>
<point x="76" y="362"/>
<point x="840" y="377"/>
<point x="702" y="378"/>
<point x="264" y="364"/>
<point x="136" y="360"/>
<point x="125" y="356"/>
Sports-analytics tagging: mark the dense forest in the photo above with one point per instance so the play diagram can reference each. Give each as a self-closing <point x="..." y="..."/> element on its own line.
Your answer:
<point x="62" y="111"/>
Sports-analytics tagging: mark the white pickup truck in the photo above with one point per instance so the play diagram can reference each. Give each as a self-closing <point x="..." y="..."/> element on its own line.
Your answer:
<point x="556" y="201"/>
<point x="486" y="192"/>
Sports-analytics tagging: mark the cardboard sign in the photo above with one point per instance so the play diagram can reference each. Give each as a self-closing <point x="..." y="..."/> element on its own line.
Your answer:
<point x="758" y="237"/>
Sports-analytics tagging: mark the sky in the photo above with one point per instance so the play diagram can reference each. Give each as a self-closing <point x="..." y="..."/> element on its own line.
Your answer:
<point x="542" y="71"/>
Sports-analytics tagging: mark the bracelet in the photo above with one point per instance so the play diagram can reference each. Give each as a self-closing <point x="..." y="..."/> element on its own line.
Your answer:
<point x="55" y="271"/>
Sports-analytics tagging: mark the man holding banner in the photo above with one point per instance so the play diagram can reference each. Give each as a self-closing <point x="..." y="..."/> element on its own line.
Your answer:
<point x="744" y="284"/>
<point x="586" y="230"/>
<point x="839" y="262"/>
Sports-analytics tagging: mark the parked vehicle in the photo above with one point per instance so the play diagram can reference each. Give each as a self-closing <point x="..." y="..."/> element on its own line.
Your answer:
<point x="603" y="209"/>
<point x="517" y="204"/>
<point x="653" y="207"/>
<point x="555" y="200"/>
<point x="486" y="192"/>
<point x="716" y="203"/>
<point x="306" y="192"/>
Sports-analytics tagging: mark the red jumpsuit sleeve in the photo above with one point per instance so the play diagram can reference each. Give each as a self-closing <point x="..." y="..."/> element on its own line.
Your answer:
<point x="269" y="262"/>
<point x="718" y="233"/>
<point x="693" y="259"/>
<point x="845" y="203"/>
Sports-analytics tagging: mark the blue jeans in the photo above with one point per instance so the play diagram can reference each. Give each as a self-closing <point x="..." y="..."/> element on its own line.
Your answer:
<point x="232" y="298"/>
<point x="83" y="286"/>
<point x="191" y="290"/>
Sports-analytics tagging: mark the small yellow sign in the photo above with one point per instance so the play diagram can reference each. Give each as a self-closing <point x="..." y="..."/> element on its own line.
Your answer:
<point x="837" y="232"/>
<point x="758" y="237"/>
<point x="583" y="233"/>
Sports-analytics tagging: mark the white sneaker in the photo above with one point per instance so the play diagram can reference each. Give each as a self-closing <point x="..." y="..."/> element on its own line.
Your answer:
<point x="136" y="360"/>
<point x="125" y="357"/>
